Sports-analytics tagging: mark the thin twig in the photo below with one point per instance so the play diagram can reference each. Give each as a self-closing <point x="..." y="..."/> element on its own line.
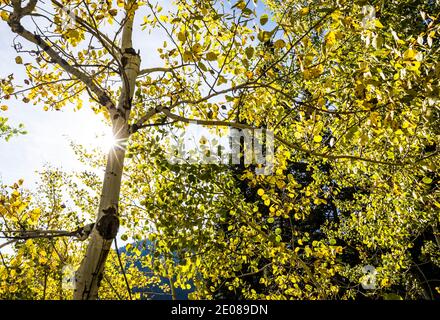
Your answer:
<point x="122" y="269"/>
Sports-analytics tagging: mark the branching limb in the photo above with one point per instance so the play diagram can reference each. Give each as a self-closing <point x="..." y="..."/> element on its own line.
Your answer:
<point x="161" y="69"/>
<point x="15" y="235"/>
<point x="14" y="23"/>
<point x="150" y="113"/>
<point x="123" y="269"/>
<point x="292" y="145"/>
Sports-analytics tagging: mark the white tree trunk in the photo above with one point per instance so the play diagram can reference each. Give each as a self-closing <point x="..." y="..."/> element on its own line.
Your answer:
<point x="89" y="274"/>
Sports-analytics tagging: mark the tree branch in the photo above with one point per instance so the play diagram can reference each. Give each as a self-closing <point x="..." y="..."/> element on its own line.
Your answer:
<point x="150" y="113"/>
<point x="81" y="233"/>
<point x="161" y="69"/>
<point x="105" y="41"/>
<point x="176" y="117"/>
<point x="14" y="23"/>
<point x="123" y="270"/>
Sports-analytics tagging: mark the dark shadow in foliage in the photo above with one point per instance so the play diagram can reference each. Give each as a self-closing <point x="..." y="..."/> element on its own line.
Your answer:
<point x="154" y="291"/>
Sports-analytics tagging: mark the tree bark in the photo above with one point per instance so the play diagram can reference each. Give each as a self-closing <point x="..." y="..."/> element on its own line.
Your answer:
<point x="90" y="272"/>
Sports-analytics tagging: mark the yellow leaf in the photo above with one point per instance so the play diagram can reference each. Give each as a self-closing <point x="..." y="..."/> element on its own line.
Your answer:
<point x="317" y="138"/>
<point x="260" y="192"/>
<point x="281" y="184"/>
<point x="249" y="52"/>
<point x="409" y="55"/>
<point x="187" y="56"/>
<point x="18" y="60"/>
<point x="113" y="12"/>
<point x="330" y="38"/>
<point x="279" y="44"/>
<point x="221" y="80"/>
<point x="181" y="36"/>
<point x="4" y="108"/>
<point x="427" y="180"/>
<point x="264" y="18"/>
<point x="241" y="4"/>
<point x="196" y="48"/>
<point x="304" y="11"/>
<point x="4" y="15"/>
<point x="385" y="282"/>
<point x="378" y="24"/>
<point x="203" y="140"/>
<point x="307" y="74"/>
<point x="211" y="56"/>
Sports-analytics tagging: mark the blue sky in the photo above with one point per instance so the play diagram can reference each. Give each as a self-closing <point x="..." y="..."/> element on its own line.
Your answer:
<point x="49" y="133"/>
<point x="47" y="141"/>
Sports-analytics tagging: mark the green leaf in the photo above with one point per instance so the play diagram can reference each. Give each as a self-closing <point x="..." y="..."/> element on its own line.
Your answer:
<point x="247" y="12"/>
<point x="264" y="36"/>
<point x="211" y="56"/>
<point x="202" y="66"/>
<point x="279" y="44"/>
<point x="249" y="51"/>
<point x="392" y="296"/>
<point x="264" y="19"/>
<point x="427" y="180"/>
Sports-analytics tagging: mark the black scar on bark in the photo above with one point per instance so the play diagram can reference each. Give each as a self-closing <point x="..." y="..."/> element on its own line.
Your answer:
<point x="19" y="28"/>
<point x="108" y="225"/>
<point x="110" y="210"/>
<point x="134" y="128"/>
<point x="124" y="61"/>
<point x="130" y="51"/>
<point x="104" y="100"/>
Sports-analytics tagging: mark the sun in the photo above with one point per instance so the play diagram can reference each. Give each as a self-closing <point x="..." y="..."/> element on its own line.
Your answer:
<point x="98" y="135"/>
<point x="98" y="138"/>
<point x="108" y="142"/>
